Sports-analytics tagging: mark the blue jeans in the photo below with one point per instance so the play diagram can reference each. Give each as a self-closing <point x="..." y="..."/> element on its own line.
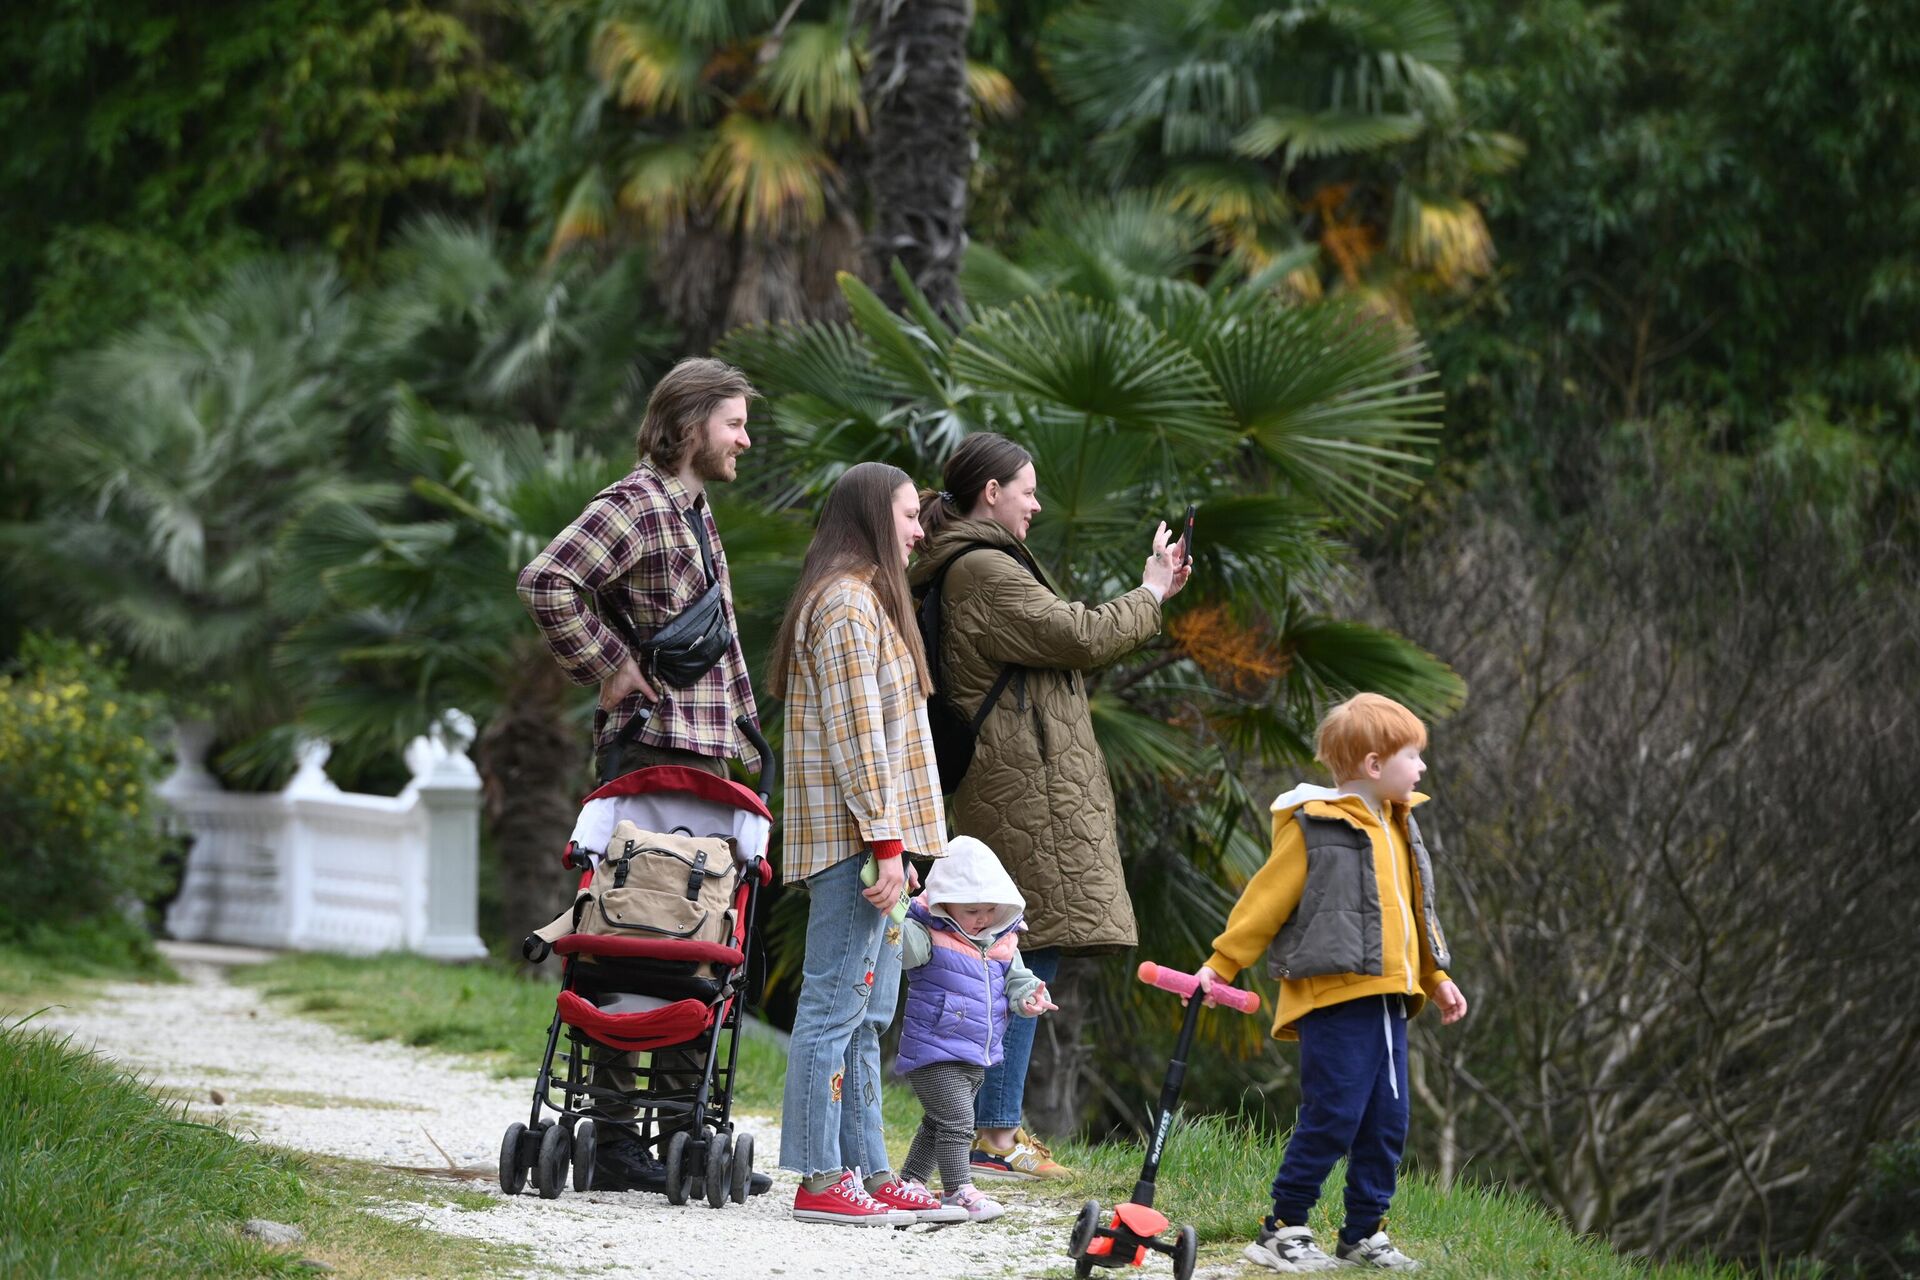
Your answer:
<point x="849" y="985"/>
<point x="1353" y="1103"/>
<point x="1004" y="1091"/>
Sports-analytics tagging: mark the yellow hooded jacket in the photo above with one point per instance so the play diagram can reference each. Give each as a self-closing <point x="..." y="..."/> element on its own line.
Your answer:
<point x="1407" y="965"/>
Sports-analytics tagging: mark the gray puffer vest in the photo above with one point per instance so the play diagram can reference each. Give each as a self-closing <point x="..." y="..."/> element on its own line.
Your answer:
<point x="1336" y="927"/>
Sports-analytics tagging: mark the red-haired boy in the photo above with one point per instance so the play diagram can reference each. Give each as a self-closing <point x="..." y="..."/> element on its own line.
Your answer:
<point x="1344" y="910"/>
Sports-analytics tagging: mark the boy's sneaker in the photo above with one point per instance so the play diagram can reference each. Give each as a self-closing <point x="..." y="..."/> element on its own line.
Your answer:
<point x="1025" y="1159"/>
<point x="913" y="1197"/>
<point x="1288" y="1249"/>
<point x="970" y="1201"/>
<point x="1375" y="1251"/>
<point x="846" y="1203"/>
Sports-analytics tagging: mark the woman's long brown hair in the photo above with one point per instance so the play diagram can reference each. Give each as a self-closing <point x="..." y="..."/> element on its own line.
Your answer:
<point x="855" y="533"/>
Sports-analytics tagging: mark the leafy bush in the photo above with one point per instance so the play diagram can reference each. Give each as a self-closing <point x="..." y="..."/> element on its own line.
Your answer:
<point x="80" y="828"/>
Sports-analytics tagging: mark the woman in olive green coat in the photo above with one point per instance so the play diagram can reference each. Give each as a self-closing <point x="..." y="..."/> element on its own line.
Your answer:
<point x="1037" y="792"/>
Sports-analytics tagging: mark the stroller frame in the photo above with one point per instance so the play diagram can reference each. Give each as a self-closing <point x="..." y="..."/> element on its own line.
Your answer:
<point x="703" y="1156"/>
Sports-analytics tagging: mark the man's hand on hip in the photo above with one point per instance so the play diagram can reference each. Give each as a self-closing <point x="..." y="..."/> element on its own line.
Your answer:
<point x="627" y="680"/>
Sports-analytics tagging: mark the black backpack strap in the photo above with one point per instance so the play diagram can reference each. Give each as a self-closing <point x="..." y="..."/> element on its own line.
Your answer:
<point x="993" y="696"/>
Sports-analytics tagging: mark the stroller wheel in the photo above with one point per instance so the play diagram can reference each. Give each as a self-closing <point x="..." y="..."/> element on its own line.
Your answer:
<point x="585" y="1145"/>
<point x="1185" y="1245"/>
<point x="550" y="1169"/>
<point x="1083" y="1228"/>
<point x="678" y="1176"/>
<point x="513" y="1174"/>
<point x="719" y="1172"/>
<point x="742" y="1166"/>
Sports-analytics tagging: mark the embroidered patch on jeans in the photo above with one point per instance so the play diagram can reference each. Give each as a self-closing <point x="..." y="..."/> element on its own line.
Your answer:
<point x="893" y="935"/>
<point x="833" y="1084"/>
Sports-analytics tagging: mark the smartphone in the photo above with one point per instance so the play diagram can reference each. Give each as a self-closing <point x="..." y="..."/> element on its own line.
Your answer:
<point x="1186" y="538"/>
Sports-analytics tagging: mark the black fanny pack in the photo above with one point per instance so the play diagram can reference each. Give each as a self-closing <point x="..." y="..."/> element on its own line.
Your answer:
<point x="689" y="646"/>
<point x="693" y="640"/>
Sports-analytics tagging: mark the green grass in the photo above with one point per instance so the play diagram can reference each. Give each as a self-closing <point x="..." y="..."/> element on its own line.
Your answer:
<point x="43" y="964"/>
<point x="1215" y="1173"/>
<point x="102" y="1179"/>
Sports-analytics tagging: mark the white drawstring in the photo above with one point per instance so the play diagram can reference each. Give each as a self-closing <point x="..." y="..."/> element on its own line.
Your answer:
<point x="1386" y="1025"/>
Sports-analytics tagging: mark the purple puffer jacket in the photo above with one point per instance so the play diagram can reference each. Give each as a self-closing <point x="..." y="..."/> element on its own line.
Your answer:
<point x="956" y="1006"/>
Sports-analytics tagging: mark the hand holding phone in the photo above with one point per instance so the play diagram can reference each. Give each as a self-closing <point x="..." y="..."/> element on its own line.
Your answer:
<point x="1186" y="537"/>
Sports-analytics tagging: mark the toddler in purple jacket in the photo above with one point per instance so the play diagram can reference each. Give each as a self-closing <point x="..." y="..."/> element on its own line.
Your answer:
<point x="959" y="948"/>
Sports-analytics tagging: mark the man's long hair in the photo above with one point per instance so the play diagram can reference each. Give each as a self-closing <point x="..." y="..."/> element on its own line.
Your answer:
<point x="855" y="535"/>
<point x="682" y="401"/>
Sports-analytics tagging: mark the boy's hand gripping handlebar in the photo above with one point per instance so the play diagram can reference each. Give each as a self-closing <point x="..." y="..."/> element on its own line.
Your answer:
<point x="1185" y="984"/>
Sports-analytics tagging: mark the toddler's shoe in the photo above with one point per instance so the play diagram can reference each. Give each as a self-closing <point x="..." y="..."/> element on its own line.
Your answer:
<point x="1288" y="1249"/>
<point x="913" y="1197"/>
<point x="1375" y="1251"/>
<point x="977" y="1206"/>
<point x="1025" y="1159"/>
<point x="846" y="1203"/>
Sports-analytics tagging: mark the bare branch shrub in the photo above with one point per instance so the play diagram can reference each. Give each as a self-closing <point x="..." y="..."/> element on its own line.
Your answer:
<point x="1677" y="825"/>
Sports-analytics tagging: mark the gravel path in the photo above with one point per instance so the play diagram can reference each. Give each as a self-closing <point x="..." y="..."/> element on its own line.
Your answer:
<point x="299" y="1084"/>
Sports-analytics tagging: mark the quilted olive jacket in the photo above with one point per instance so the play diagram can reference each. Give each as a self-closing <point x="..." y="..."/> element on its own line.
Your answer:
<point x="1037" y="792"/>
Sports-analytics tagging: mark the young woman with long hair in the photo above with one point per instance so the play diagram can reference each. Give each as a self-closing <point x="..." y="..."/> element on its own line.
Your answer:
<point x="861" y="791"/>
<point x="1037" y="791"/>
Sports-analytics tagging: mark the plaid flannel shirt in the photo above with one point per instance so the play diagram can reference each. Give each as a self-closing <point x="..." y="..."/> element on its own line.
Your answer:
<point x="634" y="543"/>
<point x="859" y="755"/>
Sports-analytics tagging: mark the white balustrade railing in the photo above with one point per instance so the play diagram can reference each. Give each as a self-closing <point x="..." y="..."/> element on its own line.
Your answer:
<point x="315" y="868"/>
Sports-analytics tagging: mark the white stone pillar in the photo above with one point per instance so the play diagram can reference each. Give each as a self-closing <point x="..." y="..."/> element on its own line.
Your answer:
<point x="447" y="787"/>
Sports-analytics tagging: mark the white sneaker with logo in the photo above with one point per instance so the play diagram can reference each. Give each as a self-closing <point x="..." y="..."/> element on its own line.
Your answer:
<point x="1375" y="1251"/>
<point x="1288" y="1249"/>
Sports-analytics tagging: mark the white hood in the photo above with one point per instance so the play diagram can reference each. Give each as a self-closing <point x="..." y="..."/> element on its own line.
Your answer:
<point x="970" y="873"/>
<point x="1304" y="792"/>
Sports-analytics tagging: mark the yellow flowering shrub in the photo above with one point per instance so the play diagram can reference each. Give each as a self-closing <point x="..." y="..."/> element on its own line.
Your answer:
<point x="80" y="828"/>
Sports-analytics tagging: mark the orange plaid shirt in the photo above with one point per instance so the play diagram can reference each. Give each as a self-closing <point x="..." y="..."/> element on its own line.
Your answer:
<point x="859" y="755"/>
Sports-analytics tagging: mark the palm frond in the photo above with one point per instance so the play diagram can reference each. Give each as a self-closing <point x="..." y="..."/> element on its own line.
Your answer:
<point x="815" y="79"/>
<point x="652" y="70"/>
<point x="992" y="91"/>
<point x="1332" y="398"/>
<point x="1444" y="236"/>
<point x="1336" y="657"/>
<point x="587" y="215"/>
<point x="765" y="176"/>
<point x="899" y="348"/>
<point x="1314" y="135"/>
<point x="662" y="181"/>
<point x="1227" y="193"/>
<point x="1091" y="358"/>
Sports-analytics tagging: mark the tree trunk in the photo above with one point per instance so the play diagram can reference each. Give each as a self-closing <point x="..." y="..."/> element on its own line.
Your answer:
<point x="531" y="762"/>
<point x="921" y="145"/>
<point x="1055" y="1091"/>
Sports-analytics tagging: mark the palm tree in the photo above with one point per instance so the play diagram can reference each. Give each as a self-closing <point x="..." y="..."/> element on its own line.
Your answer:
<point x="1283" y="123"/>
<point x="409" y="609"/>
<point x="1282" y="421"/>
<point x="921" y="147"/>
<point x="719" y="139"/>
<point x="175" y="455"/>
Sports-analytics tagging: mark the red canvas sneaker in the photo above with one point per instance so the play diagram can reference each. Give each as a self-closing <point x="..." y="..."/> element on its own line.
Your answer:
<point x="846" y="1203"/>
<point x="914" y="1198"/>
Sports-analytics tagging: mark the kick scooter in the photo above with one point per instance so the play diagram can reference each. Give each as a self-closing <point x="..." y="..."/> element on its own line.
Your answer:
<point x="1137" y="1226"/>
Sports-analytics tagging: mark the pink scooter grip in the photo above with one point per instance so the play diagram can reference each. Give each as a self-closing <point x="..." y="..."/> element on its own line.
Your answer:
<point x="1225" y="994"/>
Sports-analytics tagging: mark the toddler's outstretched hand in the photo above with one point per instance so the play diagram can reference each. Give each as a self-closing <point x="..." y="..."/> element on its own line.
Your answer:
<point x="1037" y="1003"/>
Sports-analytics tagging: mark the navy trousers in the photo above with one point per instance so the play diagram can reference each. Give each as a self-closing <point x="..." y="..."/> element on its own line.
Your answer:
<point x="1353" y="1103"/>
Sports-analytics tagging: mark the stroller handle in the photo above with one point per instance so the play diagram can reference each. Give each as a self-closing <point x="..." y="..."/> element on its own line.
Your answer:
<point x="1185" y="984"/>
<point x="769" y="766"/>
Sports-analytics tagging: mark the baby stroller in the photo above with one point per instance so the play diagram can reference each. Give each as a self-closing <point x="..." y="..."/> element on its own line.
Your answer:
<point x="648" y="992"/>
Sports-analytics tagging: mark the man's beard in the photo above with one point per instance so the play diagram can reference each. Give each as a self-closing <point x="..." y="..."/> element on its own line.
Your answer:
<point x="710" y="464"/>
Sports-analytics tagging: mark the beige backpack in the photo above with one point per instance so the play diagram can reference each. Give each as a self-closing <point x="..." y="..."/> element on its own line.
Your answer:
<point x="671" y="887"/>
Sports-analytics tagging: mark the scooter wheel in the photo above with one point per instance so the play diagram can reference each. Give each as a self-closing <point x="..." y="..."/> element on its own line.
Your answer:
<point x="1083" y="1229"/>
<point x="1185" y="1246"/>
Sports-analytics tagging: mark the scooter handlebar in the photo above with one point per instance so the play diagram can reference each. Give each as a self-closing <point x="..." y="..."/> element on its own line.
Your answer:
<point x="1224" y="994"/>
